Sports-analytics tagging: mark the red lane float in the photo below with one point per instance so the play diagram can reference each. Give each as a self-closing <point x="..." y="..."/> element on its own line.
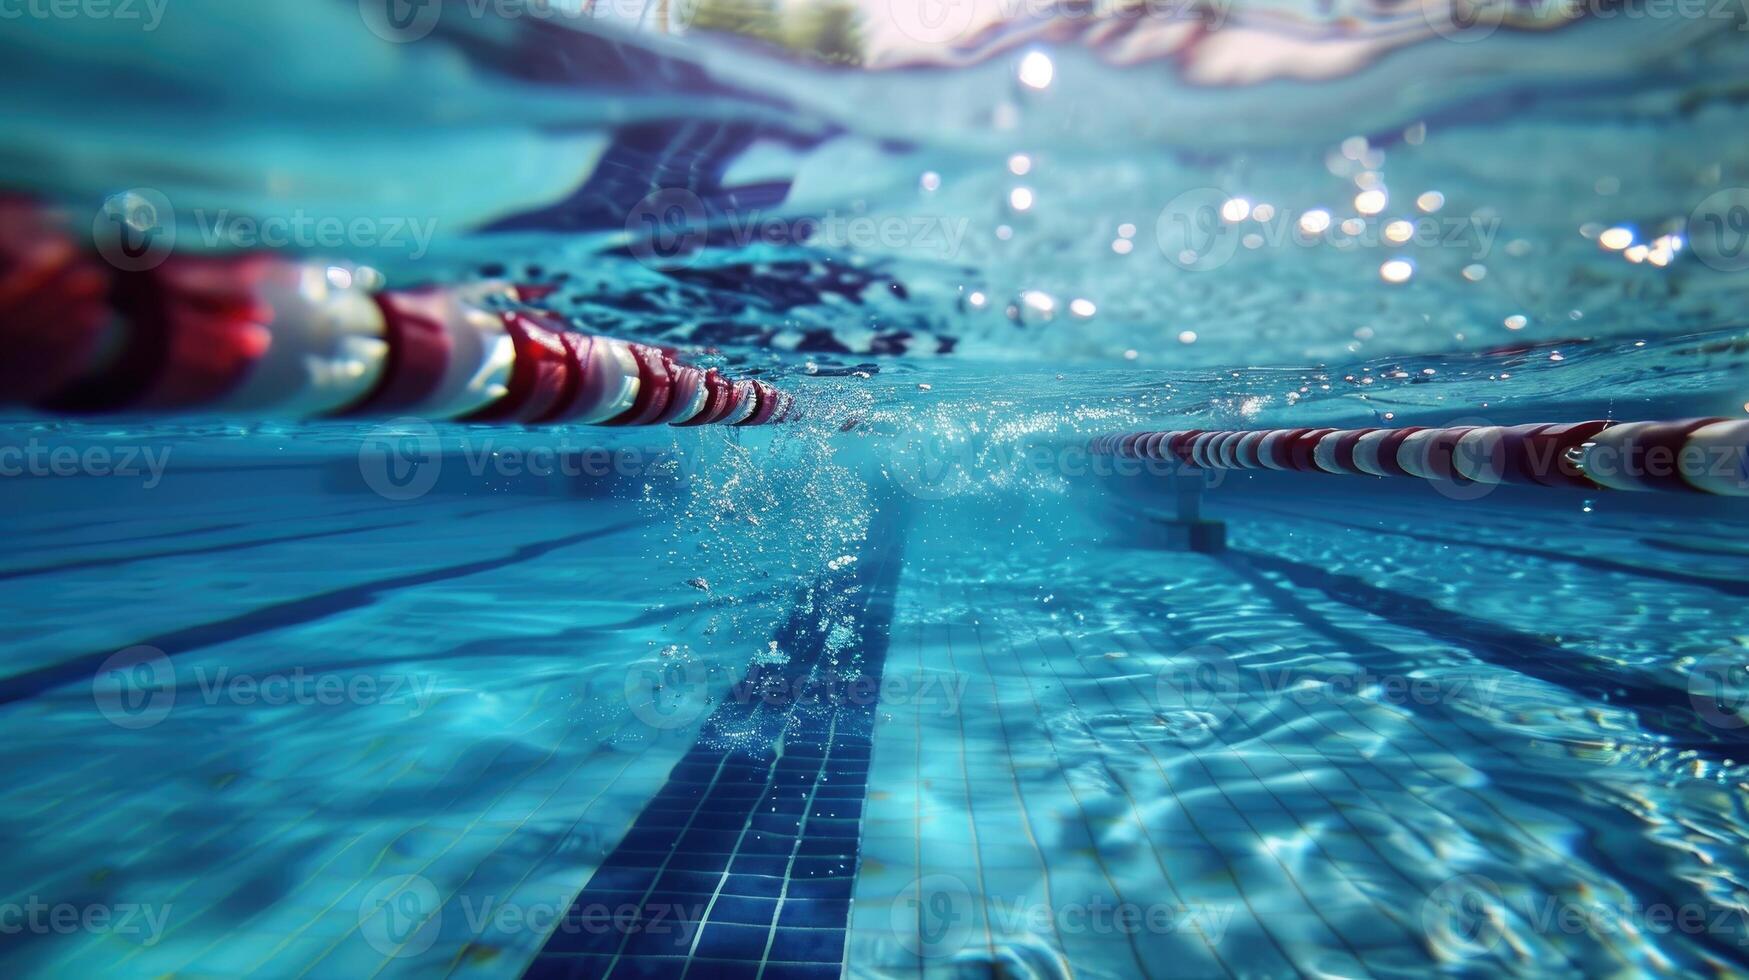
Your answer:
<point x="1708" y="455"/>
<point x="52" y="302"/>
<point x="265" y="335"/>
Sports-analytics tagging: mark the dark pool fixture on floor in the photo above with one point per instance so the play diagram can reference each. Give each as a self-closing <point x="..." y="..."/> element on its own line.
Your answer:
<point x="1706" y="455"/>
<point x="261" y="334"/>
<point x="1188" y="530"/>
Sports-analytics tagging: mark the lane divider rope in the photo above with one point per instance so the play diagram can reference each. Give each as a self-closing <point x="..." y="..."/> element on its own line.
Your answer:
<point x="1708" y="455"/>
<point x="261" y="334"/>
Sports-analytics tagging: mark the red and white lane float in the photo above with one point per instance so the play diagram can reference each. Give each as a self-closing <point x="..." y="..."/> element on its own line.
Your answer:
<point x="267" y="335"/>
<point x="1708" y="455"/>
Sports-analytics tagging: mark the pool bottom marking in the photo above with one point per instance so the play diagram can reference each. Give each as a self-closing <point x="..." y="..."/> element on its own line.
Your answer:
<point x="744" y="862"/>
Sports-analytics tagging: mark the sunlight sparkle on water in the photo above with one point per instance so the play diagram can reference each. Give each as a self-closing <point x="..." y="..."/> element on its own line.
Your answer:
<point x="1036" y="70"/>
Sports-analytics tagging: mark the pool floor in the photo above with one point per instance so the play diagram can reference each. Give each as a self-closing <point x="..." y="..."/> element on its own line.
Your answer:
<point x="1349" y="746"/>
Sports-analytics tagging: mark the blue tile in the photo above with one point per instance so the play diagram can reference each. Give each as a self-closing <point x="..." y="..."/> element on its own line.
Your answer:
<point x="687" y="882"/>
<point x="732" y="942"/>
<point x="724" y="792"/>
<point x="801" y="971"/>
<point x="649" y="968"/>
<point x="841" y="791"/>
<point x="848" y="831"/>
<point x="665" y="939"/>
<point x="741" y="910"/>
<point x="814" y="913"/>
<point x="699" y="862"/>
<point x="768" y="844"/>
<point x="703" y="969"/>
<point x="756" y="885"/>
<point x="760" y="864"/>
<point x="833" y="847"/>
<point x="823" y="867"/>
<point x="808" y="945"/>
<point x="837" y="809"/>
<point x="821" y="887"/>
<point x="788" y="824"/>
<point x="669" y="905"/>
<point x="641" y="838"/>
<point x="731" y="817"/>
<point x="707" y="840"/>
<point x="790" y="802"/>
<point x="664" y="907"/>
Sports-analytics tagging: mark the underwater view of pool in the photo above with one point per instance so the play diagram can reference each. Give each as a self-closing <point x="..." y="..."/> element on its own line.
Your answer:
<point x="874" y="488"/>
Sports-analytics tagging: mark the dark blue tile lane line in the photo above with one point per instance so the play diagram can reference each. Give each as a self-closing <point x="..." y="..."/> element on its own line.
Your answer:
<point x="1665" y="711"/>
<point x="1731" y="587"/>
<point x="742" y="865"/>
<point x="81" y="668"/>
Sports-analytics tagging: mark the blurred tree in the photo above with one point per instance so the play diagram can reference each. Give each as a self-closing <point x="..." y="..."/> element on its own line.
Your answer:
<point x="823" y="30"/>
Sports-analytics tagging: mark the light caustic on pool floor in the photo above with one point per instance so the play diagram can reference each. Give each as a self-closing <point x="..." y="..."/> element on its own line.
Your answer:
<point x="1210" y="773"/>
<point x="1107" y="760"/>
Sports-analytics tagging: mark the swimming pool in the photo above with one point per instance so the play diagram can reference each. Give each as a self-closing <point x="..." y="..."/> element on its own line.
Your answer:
<point x="698" y="492"/>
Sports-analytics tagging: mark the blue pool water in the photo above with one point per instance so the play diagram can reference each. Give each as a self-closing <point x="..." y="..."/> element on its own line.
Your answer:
<point x="914" y="684"/>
